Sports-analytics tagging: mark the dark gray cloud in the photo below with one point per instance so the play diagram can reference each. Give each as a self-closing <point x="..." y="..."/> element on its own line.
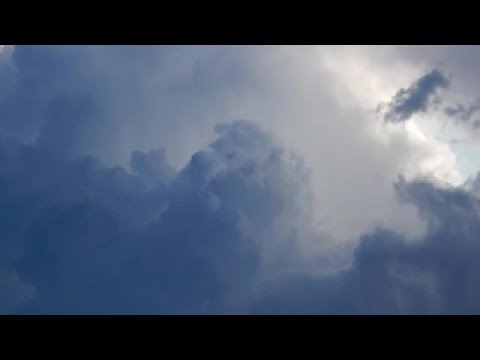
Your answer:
<point x="416" y="98"/>
<point x="436" y="274"/>
<point x="85" y="238"/>
<point x="80" y="237"/>
<point x="215" y="236"/>
<point x="463" y="112"/>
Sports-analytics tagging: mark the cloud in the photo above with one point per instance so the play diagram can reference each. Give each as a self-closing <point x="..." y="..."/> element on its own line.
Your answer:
<point x="222" y="235"/>
<point x="152" y="166"/>
<point x="435" y="274"/>
<point x="110" y="101"/>
<point x="465" y="113"/>
<point x="98" y="219"/>
<point x="461" y="63"/>
<point x="416" y="98"/>
<point x="462" y="112"/>
<point x="86" y="238"/>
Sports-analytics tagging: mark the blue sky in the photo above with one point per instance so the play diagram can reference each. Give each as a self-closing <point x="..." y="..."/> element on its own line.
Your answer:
<point x="239" y="179"/>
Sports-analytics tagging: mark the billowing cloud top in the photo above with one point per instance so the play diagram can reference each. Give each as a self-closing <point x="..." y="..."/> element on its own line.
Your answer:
<point x="129" y="185"/>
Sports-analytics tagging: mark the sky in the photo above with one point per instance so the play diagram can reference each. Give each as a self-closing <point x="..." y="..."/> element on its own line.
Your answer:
<point x="239" y="179"/>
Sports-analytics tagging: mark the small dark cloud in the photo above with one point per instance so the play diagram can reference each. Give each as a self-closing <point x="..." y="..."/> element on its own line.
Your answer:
<point x="463" y="112"/>
<point x="416" y="98"/>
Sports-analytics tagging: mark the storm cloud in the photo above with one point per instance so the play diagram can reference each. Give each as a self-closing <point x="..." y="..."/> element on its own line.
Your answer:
<point x="101" y="215"/>
<point x="215" y="237"/>
<point x="435" y="274"/>
<point x="85" y="238"/>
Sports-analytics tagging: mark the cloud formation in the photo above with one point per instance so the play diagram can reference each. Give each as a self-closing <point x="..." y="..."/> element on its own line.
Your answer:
<point x="462" y="112"/>
<point x="85" y="238"/>
<point x="435" y="274"/>
<point x="415" y="98"/>
<point x="109" y="101"/>
<point x="465" y="113"/>
<point x="235" y="228"/>
<point x="218" y="236"/>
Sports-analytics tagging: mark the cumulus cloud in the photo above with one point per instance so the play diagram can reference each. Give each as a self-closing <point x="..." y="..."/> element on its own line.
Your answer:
<point x="86" y="238"/>
<point x="436" y="274"/>
<point x="117" y="200"/>
<point x="415" y="98"/>
<point x="222" y="234"/>
<point x="110" y="101"/>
